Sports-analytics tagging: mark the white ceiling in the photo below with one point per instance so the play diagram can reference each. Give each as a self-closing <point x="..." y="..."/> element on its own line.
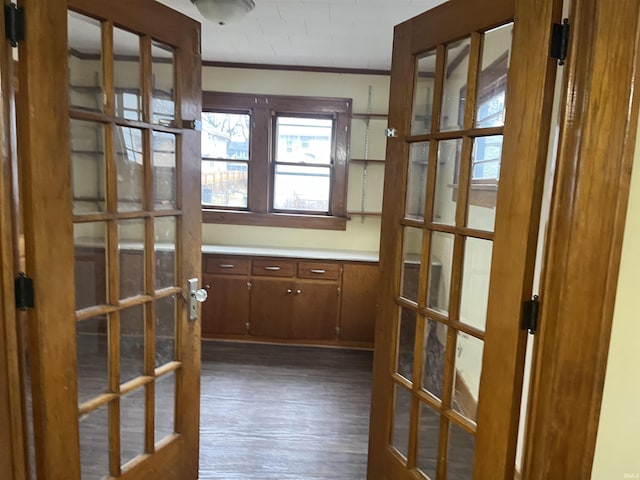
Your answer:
<point x="310" y="33"/>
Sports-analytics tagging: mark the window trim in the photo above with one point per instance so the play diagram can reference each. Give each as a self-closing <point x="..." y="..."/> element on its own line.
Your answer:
<point x="263" y="110"/>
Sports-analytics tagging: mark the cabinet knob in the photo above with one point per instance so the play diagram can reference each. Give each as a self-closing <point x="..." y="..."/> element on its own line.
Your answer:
<point x="298" y="292"/>
<point x="289" y="290"/>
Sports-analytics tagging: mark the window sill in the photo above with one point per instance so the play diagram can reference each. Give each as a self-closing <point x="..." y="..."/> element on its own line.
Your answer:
<point x="285" y="220"/>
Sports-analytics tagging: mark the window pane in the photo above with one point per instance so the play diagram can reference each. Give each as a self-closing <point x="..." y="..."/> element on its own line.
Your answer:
<point x="86" y="79"/>
<point x="225" y="135"/>
<point x="302" y="188"/>
<point x="225" y="183"/>
<point x="163" y="101"/>
<point x="455" y="84"/>
<point x="303" y="140"/>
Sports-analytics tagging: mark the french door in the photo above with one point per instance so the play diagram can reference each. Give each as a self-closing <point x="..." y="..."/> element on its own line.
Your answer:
<point x="470" y="105"/>
<point x="109" y="96"/>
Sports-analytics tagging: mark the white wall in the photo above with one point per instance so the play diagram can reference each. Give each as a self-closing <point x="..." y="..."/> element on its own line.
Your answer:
<point x="362" y="233"/>
<point x="618" y="445"/>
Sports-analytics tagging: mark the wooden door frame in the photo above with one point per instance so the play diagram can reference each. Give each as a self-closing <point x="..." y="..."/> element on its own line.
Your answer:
<point x="13" y="463"/>
<point x="584" y="240"/>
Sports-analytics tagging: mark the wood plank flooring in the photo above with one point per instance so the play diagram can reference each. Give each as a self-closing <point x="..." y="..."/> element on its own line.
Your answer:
<point x="280" y="412"/>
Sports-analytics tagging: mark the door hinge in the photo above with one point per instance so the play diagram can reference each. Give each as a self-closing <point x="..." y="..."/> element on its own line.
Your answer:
<point x="560" y="41"/>
<point x="14" y="23"/>
<point x="24" y="292"/>
<point x="530" y="310"/>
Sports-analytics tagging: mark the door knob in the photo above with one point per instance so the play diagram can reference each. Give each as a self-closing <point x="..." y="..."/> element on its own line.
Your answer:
<point x="196" y="295"/>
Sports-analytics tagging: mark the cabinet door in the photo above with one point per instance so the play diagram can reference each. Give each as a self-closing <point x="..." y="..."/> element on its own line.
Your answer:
<point x="359" y="298"/>
<point x="226" y="311"/>
<point x="315" y="311"/>
<point x="271" y="307"/>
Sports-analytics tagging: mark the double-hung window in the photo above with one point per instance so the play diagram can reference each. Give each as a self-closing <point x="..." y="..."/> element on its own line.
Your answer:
<point x="275" y="160"/>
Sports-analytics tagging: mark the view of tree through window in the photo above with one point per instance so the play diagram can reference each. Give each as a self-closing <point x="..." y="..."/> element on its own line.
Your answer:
<point x="225" y="138"/>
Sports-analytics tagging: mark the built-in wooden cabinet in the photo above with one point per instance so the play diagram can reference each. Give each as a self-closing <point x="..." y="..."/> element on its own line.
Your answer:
<point x="297" y="300"/>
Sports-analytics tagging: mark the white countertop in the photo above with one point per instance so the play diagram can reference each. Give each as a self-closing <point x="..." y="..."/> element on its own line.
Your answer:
<point x="315" y="254"/>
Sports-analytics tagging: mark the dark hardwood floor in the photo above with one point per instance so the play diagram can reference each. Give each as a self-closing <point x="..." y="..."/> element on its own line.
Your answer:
<point x="281" y="412"/>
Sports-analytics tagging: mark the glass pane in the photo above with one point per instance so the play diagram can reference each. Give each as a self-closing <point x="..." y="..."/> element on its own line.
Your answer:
<point x="131" y="238"/>
<point x="434" y="356"/>
<point x="406" y="343"/>
<point x="94" y="444"/>
<point x="165" y="330"/>
<point x="90" y="241"/>
<point x="224" y="183"/>
<point x="86" y="83"/>
<point x="455" y="85"/>
<point x="417" y="180"/>
<point x="131" y="343"/>
<point x="163" y="95"/>
<point x="303" y="140"/>
<point x="462" y="449"/>
<point x="492" y="78"/>
<point x="475" y="282"/>
<point x="88" y="167"/>
<point x="92" y="337"/>
<point x="165" y="252"/>
<point x="132" y="418"/>
<point x="164" y="171"/>
<point x="401" y="420"/>
<point x="126" y="73"/>
<point x="427" y="460"/>
<point x="302" y="188"/>
<point x="225" y="135"/>
<point x="165" y="406"/>
<point x="423" y="96"/>
<point x="485" y="176"/>
<point x="447" y="174"/>
<point x="467" y="375"/>
<point x="411" y="256"/>
<point x="129" y="165"/>
<point x="440" y="274"/>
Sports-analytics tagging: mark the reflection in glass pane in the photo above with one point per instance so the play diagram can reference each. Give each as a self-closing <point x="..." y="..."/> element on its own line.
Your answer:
<point x="455" y="85"/>
<point x="411" y="256"/>
<point x="88" y="167"/>
<point x="132" y="418"/>
<point x="467" y="375"/>
<point x="131" y="343"/>
<point x="417" y="180"/>
<point x="303" y="140"/>
<point x="462" y="449"/>
<point x="423" y="96"/>
<point x="440" y="273"/>
<point x="446" y="189"/>
<point x="165" y="330"/>
<point x="165" y="251"/>
<point x="401" y="420"/>
<point x="131" y="235"/>
<point x="164" y="171"/>
<point x="433" y="372"/>
<point x="163" y="96"/>
<point x="492" y="78"/>
<point x="298" y="187"/>
<point x="427" y="459"/>
<point x="165" y="406"/>
<point x="92" y="337"/>
<point x="86" y="83"/>
<point x="485" y="177"/>
<point x="406" y="343"/>
<point x="90" y="242"/>
<point x="94" y="444"/>
<point x="225" y="135"/>
<point x="129" y="154"/>
<point x="475" y="282"/>
<point x="126" y="73"/>
<point x="225" y="184"/>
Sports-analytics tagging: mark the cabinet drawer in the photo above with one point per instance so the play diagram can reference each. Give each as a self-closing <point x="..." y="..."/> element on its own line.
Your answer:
<point x="273" y="268"/>
<point x="327" y="271"/>
<point x="232" y="266"/>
